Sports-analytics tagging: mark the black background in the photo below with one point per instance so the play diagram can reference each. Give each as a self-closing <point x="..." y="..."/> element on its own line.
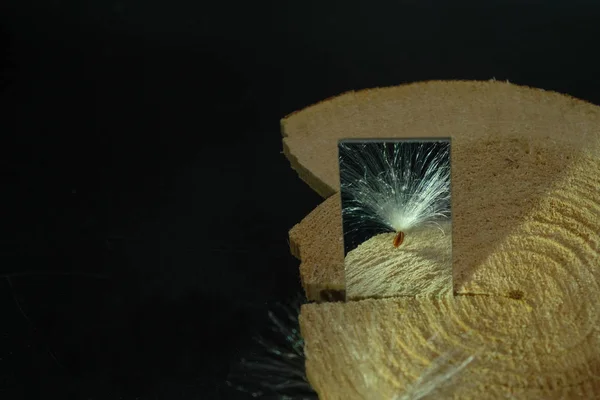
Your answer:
<point x="140" y="149"/>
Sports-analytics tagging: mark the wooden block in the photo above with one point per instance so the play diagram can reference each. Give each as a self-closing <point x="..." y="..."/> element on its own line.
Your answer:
<point x="414" y="347"/>
<point x="526" y="253"/>
<point x="318" y="242"/>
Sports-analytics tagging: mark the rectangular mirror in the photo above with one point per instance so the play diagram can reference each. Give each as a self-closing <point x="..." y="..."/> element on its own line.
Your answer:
<point x="396" y="212"/>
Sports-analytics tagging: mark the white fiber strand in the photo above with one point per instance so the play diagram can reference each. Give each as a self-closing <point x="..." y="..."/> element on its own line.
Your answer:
<point x="395" y="185"/>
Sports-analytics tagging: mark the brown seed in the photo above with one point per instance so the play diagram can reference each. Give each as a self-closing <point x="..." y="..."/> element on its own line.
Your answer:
<point x="399" y="239"/>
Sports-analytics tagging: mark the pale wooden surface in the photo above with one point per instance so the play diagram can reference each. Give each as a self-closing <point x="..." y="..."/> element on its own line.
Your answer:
<point x="318" y="242"/>
<point x="526" y="253"/>
<point x="377" y="349"/>
<point x="421" y="265"/>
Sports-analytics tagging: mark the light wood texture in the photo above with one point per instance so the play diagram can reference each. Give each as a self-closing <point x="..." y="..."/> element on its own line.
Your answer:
<point x="526" y="252"/>
<point x="319" y="244"/>
<point x="422" y="265"/>
<point x="378" y="349"/>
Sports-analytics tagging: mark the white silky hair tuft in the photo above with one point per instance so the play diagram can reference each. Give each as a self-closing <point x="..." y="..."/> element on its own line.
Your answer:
<point x="275" y="367"/>
<point x="438" y="376"/>
<point x="394" y="185"/>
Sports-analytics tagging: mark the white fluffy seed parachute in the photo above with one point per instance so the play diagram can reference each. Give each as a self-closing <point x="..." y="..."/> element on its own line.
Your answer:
<point x="394" y="185"/>
<point x="274" y="368"/>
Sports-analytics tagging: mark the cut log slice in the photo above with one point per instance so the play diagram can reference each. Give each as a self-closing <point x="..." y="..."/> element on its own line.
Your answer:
<point x="525" y="248"/>
<point x="461" y="347"/>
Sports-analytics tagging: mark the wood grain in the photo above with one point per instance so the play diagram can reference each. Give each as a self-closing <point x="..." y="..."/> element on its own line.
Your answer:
<point x="423" y="265"/>
<point x="378" y="349"/>
<point x="526" y="252"/>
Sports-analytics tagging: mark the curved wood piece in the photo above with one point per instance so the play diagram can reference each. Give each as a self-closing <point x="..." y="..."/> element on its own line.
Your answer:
<point x="526" y="250"/>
